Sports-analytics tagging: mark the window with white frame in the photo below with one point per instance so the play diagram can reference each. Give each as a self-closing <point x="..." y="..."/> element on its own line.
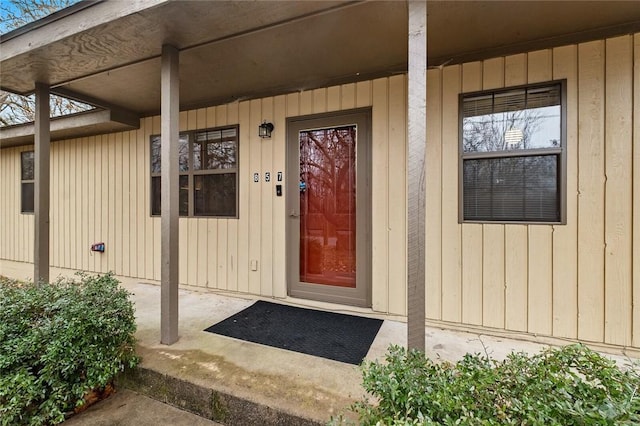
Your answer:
<point x="27" y="165"/>
<point x="513" y="155"/>
<point x="208" y="172"/>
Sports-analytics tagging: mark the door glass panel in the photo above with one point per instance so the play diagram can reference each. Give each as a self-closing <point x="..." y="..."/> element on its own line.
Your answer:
<point x="328" y="206"/>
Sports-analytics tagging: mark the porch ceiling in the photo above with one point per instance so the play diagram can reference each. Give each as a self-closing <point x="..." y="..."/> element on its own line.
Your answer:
<point x="109" y="53"/>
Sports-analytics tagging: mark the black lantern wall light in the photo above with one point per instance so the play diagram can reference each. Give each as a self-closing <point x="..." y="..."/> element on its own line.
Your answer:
<point x="265" y="129"/>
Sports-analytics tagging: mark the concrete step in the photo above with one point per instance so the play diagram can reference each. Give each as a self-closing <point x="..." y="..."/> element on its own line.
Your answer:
<point x="298" y="390"/>
<point x="210" y="403"/>
<point x="129" y="408"/>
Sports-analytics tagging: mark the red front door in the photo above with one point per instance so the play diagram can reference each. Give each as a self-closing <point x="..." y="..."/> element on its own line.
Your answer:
<point x="328" y="206"/>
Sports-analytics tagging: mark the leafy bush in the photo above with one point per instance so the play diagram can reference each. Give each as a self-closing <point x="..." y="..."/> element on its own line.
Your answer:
<point x="57" y="342"/>
<point x="564" y="386"/>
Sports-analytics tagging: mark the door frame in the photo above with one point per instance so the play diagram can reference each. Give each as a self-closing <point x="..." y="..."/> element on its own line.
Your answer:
<point x="361" y="294"/>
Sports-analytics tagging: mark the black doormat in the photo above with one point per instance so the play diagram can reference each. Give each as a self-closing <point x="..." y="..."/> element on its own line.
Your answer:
<point x="339" y="337"/>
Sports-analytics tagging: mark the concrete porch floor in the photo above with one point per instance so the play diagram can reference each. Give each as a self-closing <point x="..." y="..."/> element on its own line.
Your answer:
<point x="237" y="382"/>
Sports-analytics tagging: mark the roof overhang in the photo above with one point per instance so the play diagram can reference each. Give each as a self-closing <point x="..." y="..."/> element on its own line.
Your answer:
<point x="71" y="126"/>
<point x="108" y="52"/>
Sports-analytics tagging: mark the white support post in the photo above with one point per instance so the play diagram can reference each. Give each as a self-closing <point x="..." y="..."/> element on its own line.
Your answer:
<point x="42" y="141"/>
<point x="170" y="95"/>
<point x="417" y="136"/>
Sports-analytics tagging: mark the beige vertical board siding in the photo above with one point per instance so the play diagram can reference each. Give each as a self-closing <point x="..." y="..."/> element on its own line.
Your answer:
<point x="472" y="273"/>
<point x="14" y="206"/>
<point x="232" y="112"/>
<point x="18" y="217"/>
<point x="472" y="253"/>
<point x="516" y="269"/>
<point x="102" y="196"/>
<point x="68" y="172"/>
<point x="451" y="230"/>
<point x="348" y="96"/>
<point x="8" y="207"/>
<point x="68" y="237"/>
<point x="95" y="194"/>
<point x="214" y="257"/>
<point x="255" y="194"/>
<point x="565" y="254"/>
<point x="540" y="281"/>
<point x="433" y="252"/>
<point x="397" y="190"/>
<point x="306" y="103"/>
<point x="126" y="205"/>
<point x="540" y="69"/>
<point x="14" y="213"/>
<point x="80" y="246"/>
<point x="91" y="202"/>
<point x="619" y="190"/>
<point x="115" y="180"/>
<point x="516" y="275"/>
<point x="279" y="203"/>
<point x="71" y="171"/>
<point x="381" y="255"/>
<point x="183" y="244"/>
<point x="266" y="217"/>
<point x="493" y="279"/>
<point x="334" y="94"/>
<point x="134" y="163"/>
<point x="56" y="157"/>
<point x="53" y="203"/>
<point x="142" y="199"/>
<point x="61" y="200"/>
<point x="363" y="94"/>
<point x="515" y="70"/>
<point x="591" y="179"/>
<point x="224" y="274"/>
<point x="636" y="195"/>
<point x="246" y="179"/>
<point x="5" y="202"/>
<point x="118" y="223"/>
<point x="319" y="100"/>
<point x="14" y="175"/>
<point x="83" y="167"/>
<point x="493" y="307"/>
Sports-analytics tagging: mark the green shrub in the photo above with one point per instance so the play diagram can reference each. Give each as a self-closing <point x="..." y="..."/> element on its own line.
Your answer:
<point x="57" y="342"/>
<point x="564" y="386"/>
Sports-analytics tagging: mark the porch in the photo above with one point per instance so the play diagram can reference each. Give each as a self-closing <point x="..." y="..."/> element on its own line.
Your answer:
<point x="238" y="382"/>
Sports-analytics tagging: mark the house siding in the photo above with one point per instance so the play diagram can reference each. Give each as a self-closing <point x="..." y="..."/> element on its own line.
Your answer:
<point x="580" y="280"/>
<point x="571" y="281"/>
<point x="100" y="193"/>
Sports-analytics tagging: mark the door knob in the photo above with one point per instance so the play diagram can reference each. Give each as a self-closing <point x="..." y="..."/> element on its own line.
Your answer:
<point x="294" y="214"/>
